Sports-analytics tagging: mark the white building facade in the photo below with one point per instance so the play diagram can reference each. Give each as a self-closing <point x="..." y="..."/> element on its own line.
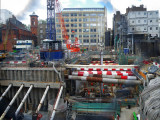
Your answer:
<point x="143" y="22"/>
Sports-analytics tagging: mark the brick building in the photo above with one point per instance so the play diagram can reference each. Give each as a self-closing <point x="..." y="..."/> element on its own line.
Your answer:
<point x="16" y="31"/>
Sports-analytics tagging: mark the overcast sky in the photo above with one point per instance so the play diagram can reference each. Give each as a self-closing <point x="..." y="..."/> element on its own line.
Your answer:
<point x="23" y="8"/>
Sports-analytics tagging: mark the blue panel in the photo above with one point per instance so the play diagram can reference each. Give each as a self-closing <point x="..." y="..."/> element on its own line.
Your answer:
<point x="49" y="56"/>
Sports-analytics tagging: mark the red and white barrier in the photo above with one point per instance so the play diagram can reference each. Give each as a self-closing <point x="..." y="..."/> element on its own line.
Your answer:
<point x="104" y="69"/>
<point x="87" y="73"/>
<point x="103" y="61"/>
<point x="156" y="64"/>
<point x="16" y="62"/>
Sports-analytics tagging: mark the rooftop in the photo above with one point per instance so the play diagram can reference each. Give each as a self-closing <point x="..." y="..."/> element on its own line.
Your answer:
<point x="83" y="9"/>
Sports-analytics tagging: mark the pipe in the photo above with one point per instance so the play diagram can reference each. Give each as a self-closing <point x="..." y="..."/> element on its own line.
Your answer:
<point x="98" y="100"/>
<point x="99" y="66"/>
<point x="56" y="102"/>
<point x="104" y="69"/>
<point x="104" y="64"/>
<point x="12" y="101"/>
<point x="103" y="61"/>
<point x="111" y="76"/>
<point x="59" y="74"/>
<point x="87" y="73"/>
<point x="42" y="99"/>
<point x="5" y="92"/>
<point x="24" y="99"/>
<point x="105" y="80"/>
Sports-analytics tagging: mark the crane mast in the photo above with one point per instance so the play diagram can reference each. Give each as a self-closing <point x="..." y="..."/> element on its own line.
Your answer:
<point x="51" y="30"/>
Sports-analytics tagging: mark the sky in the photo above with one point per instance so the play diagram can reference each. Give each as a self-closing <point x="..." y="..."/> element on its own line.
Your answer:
<point x="23" y="8"/>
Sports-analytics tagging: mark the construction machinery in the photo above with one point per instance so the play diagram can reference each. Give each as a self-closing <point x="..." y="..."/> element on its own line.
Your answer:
<point x="72" y="47"/>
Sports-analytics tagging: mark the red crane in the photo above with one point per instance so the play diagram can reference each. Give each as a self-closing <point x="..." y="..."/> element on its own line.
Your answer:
<point x="75" y="46"/>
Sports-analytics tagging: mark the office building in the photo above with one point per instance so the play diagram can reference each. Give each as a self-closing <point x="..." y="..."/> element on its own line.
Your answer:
<point x="86" y="24"/>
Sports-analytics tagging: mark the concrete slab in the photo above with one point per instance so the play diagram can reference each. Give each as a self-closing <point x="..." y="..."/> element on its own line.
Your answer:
<point x="38" y="84"/>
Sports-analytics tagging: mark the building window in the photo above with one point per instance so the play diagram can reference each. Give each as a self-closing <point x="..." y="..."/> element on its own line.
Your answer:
<point x="80" y="14"/>
<point x="41" y="31"/>
<point x="85" y="30"/>
<point x="80" y="25"/>
<point x="58" y="31"/>
<point x="144" y="21"/>
<point x="150" y="13"/>
<point x="132" y="21"/>
<point x="150" y="21"/>
<point x="73" y="25"/>
<point x="139" y="21"/>
<point x="72" y="36"/>
<point x="156" y="28"/>
<point x="85" y="14"/>
<point x="93" y="14"/>
<point x="67" y="25"/>
<point x="58" y="25"/>
<point x="65" y="15"/>
<point x="80" y="36"/>
<point x="80" y="30"/>
<point x="156" y="12"/>
<point x="145" y="29"/>
<point x="93" y="19"/>
<point x="67" y="30"/>
<point x="100" y="14"/>
<point x="132" y="29"/>
<point x="85" y="25"/>
<point x="73" y="14"/>
<point x="85" y="35"/>
<point x="138" y="13"/>
<point x="66" y="20"/>
<point x="58" y="36"/>
<point x="93" y="40"/>
<point x="150" y="28"/>
<point x="80" y="19"/>
<point x="86" y="41"/>
<point x="93" y="24"/>
<point x="73" y="30"/>
<point x="92" y="35"/>
<point x="144" y="13"/>
<point x="93" y="30"/>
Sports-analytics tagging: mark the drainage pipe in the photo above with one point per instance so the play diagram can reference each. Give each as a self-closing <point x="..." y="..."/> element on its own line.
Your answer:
<point x="42" y="99"/>
<point x="24" y="99"/>
<point x="87" y="73"/>
<point x="12" y="101"/>
<point x="56" y="102"/>
<point x="104" y="69"/>
<point x="5" y="92"/>
<point x="105" y="80"/>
